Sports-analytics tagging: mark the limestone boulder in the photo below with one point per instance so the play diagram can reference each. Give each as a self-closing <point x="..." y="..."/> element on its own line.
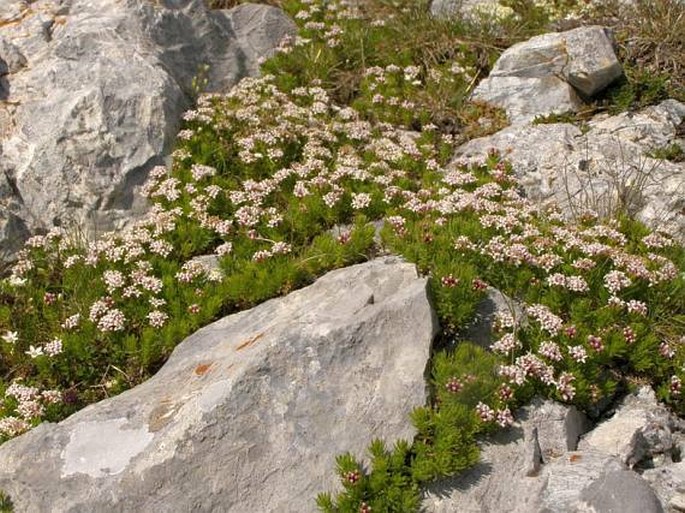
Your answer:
<point x="638" y="432"/>
<point x="551" y="73"/>
<point x="606" y="166"/>
<point x="513" y="472"/>
<point x="538" y="466"/>
<point x="92" y="94"/>
<point x="597" y="482"/>
<point x="470" y="9"/>
<point x="248" y="413"/>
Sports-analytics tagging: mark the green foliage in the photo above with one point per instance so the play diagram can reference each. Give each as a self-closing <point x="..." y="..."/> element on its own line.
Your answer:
<point x="393" y="482"/>
<point x="640" y="89"/>
<point x="673" y="152"/>
<point x="563" y="117"/>
<point x="6" y="505"/>
<point x="283" y="178"/>
<point x="387" y="487"/>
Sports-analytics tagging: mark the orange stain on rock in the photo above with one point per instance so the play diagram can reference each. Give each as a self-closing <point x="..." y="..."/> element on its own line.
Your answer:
<point x="202" y="369"/>
<point x="249" y="341"/>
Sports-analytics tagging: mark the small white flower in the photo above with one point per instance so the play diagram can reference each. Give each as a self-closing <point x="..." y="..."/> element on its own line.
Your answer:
<point x="360" y="200"/>
<point x="35" y="352"/>
<point x="10" y="337"/>
<point x="71" y="322"/>
<point x="54" y="347"/>
<point x="16" y="281"/>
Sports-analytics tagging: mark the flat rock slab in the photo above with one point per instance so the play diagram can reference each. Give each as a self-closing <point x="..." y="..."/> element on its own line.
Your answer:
<point x="249" y="413"/>
<point x="605" y="167"/>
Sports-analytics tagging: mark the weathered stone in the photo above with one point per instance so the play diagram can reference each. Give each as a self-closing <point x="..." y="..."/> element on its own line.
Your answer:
<point x="490" y="9"/>
<point x="621" y="491"/>
<point x="678" y="502"/>
<point x="499" y="482"/>
<point x="13" y="59"/>
<point x="595" y="482"/>
<point x="604" y="168"/>
<point x="592" y="63"/>
<point x="95" y="94"/>
<point x="639" y="429"/>
<point x="668" y="482"/>
<point x="541" y="76"/>
<point x="525" y="98"/>
<point x="512" y="473"/>
<point x="249" y="413"/>
<point x="559" y="427"/>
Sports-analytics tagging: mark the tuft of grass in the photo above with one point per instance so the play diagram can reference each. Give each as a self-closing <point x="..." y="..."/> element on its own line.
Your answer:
<point x="650" y="37"/>
<point x="6" y="505"/>
<point x="673" y="153"/>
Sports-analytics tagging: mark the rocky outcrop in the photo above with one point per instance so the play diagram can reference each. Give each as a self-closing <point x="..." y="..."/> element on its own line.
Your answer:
<point x="605" y="166"/>
<point x="91" y="96"/>
<point x="551" y="73"/>
<point x="641" y="432"/>
<point x="540" y="466"/>
<point x="249" y="413"/>
<point x="466" y="8"/>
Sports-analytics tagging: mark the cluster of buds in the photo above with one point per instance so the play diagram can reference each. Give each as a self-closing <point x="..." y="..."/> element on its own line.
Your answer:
<point x="449" y="281"/>
<point x="478" y="284"/>
<point x="352" y="477"/>
<point x="344" y="237"/>
<point x="676" y="385"/>
<point x="666" y="350"/>
<point x="505" y="392"/>
<point x="595" y="342"/>
<point x="49" y="298"/>
<point x="454" y="385"/>
<point x="629" y="335"/>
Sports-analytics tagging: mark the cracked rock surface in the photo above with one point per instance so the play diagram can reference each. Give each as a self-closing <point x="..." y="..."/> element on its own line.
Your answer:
<point x="91" y="94"/>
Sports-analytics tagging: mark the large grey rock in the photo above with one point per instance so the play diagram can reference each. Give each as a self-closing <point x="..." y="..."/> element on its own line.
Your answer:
<point x="512" y="474"/>
<point x="595" y="482"/>
<point x="570" y="482"/>
<point x="249" y="413"/>
<point x="94" y="94"/>
<point x="668" y="482"/>
<point x="604" y="168"/>
<point x="640" y="429"/>
<point x="544" y="74"/>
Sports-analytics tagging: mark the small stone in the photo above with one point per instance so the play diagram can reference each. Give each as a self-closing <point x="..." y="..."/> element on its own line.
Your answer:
<point x="677" y="502"/>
